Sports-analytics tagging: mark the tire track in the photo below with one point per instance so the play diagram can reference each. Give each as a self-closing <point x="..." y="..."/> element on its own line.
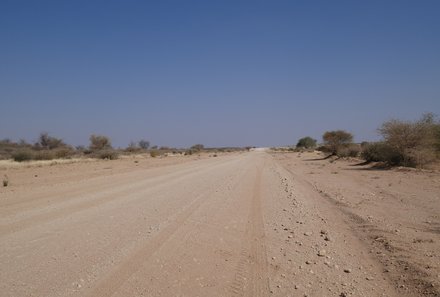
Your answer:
<point x="125" y="270"/>
<point x="251" y="277"/>
<point x="116" y="279"/>
<point x="101" y="198"/>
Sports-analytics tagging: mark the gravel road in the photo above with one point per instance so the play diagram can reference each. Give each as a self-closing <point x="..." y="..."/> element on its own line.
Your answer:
<point x="245" y="224"/>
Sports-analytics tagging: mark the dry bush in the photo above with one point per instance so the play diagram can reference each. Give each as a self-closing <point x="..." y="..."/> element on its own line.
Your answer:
<point x="352" y="150"/>
<point x="335" y="140"/>
<point x="197" y="147"/>
<point x="144" y="144"/>
<point x="48" y="142"/>
<point x="9" y="148"/>
<point x="23" y="155"/>
<point x="99" y="142"/>
<point x="421" y="157"/>
<point x="381" y="152"/>
<point x="107" y="154"/>
<point x="417" y="142"/>
<point x="323" y="149"/>
<point x="64" y="153"/>
<point x="132" y="147"/>
<point x="59" y="153"/>
<point x="100" y="147"/>
<point x="44" y="155"/>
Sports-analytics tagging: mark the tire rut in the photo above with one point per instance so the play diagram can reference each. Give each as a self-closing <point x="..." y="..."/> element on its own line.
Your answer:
<point x="99" y="199"/>
<point x="251" y="277"/>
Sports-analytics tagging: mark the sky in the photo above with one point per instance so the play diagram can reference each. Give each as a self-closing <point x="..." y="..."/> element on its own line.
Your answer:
<point x="219" y="73"/>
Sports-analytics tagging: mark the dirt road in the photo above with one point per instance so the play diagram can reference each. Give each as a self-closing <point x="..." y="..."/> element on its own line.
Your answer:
<point x="250" y="224"/>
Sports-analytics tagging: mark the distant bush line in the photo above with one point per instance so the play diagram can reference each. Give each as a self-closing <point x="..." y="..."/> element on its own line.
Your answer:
<point x="404" y="143"/>
<point x="100" y="147"/>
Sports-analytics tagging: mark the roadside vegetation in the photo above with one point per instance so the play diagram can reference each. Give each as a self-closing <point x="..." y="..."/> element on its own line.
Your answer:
<point x="403" y="143"/>
<point x="306" y="143"/>
<point x="406" y="143"/>
<point x="48" y="147"/>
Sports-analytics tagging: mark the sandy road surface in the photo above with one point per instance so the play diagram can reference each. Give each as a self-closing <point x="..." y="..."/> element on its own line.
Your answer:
<point x="236" y="225"/>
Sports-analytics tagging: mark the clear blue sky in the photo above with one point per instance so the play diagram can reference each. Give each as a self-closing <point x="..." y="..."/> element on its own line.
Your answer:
<point x="221" y="73"/>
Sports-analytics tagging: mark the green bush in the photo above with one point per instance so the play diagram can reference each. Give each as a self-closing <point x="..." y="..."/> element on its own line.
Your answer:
<point x="306" y="142"/>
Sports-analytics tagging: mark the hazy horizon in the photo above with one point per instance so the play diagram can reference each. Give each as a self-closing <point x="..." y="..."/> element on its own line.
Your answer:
<point x="232" y="73"/>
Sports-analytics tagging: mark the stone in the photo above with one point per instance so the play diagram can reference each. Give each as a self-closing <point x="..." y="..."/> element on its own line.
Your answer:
<point x="322" y="253"/>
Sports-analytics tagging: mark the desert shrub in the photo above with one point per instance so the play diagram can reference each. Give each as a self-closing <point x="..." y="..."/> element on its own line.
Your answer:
<point x="64" y="153"/>
<point x="306" y="142"/>
<point x="420" y="157"/>
<point x="8" y="148"/>
<point x="154" y="153"/>
<point x="382" y="152"/>
<point x="107" y="154"/>
<point x="132" y="147"/>
<point x="99" y="142"/>
<point x="436" y="146"/>
<point x="48" y="142"/>
<point x="351" y="150"/>
<point x="197" y="147"/>
<point x="188" y="153"/>
<point x="335" y="140"/>
<point x="323" y="149"/>
<point x="416" y="142"/>
<point x="44" y="155"/>
<point x="144" y="144"/>
<point x="23" y="155"/>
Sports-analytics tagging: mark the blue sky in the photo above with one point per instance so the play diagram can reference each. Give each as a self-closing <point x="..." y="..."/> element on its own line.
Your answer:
<point x="221" y="73"/>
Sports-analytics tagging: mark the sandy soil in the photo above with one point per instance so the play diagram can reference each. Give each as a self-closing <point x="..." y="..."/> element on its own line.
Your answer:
<point x="249" y="224"/>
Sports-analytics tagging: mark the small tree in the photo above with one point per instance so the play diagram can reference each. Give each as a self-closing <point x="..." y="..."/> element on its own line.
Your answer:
<point x="381" y="152"/>
<point x="415" y="141"/>
<point x="306" y="142"/>
<point x="99" y="142"/>
<point x="335" y="140"/>
<point x="132" y="147"/>
<point x="144" y="144"/>
<point x="48" y="142"/>
<point x="198" y="147"/>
